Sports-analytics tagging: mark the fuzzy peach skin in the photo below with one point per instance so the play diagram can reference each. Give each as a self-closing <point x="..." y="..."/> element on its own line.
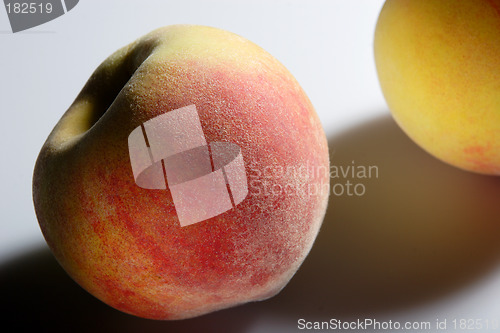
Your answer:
<point x="123" y="243"/>
<point x="438" y="63"/>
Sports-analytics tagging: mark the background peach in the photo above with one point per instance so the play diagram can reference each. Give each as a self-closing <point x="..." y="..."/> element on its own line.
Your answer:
<point x="439" y="69"/>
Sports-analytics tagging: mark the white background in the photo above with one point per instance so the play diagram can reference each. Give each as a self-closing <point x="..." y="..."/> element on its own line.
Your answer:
<point x="328" y="46"/>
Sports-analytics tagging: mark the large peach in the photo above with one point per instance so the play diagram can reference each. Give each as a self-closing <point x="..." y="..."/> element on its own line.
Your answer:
<point x="124" y="243"/>
<point x="439" y="68"/>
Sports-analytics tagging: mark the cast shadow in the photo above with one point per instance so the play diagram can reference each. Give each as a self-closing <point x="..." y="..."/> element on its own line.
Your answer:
<point x="422" y="230"/>
<point x="38" y="296"/>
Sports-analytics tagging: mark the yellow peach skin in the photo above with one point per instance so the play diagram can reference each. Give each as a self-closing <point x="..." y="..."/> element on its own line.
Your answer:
<point x="438" y="63"/>
<point x="124" y="243"/>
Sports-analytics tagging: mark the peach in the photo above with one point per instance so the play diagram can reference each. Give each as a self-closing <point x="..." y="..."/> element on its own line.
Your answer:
<point x="439" y="68"/>
<point x="123" y="242"/>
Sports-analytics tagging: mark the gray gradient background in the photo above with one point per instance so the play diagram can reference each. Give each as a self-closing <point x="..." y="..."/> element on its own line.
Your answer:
<point x="421" y="245"/>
